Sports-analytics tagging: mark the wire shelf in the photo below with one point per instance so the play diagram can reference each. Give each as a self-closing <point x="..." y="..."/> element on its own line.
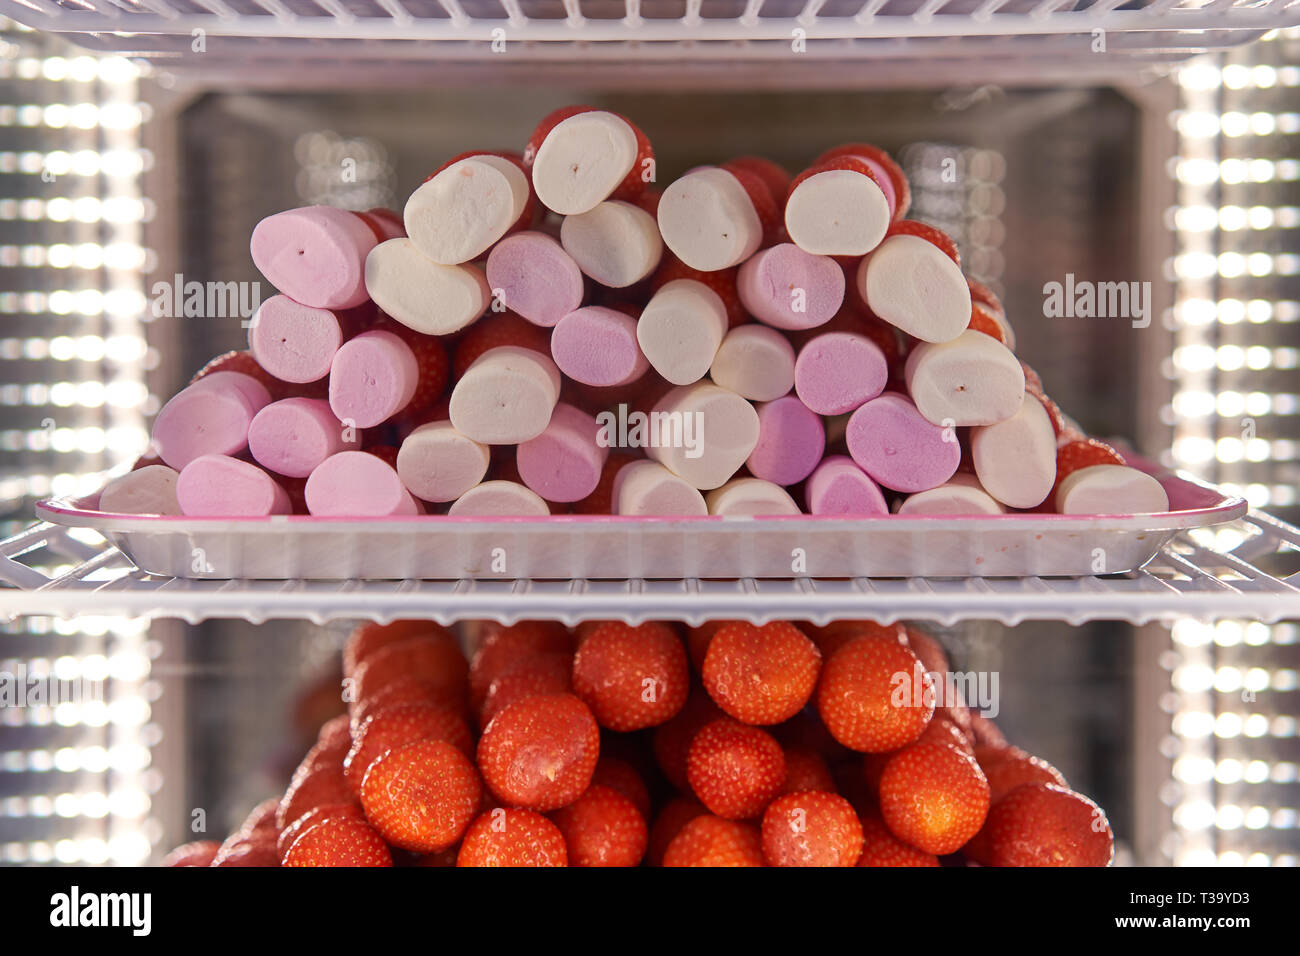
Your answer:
<point x="1245" y="569"/>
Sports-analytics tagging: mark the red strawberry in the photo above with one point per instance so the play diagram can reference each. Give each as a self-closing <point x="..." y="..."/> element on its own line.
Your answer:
<point x="811" y="828"/>
<point x="857" y="320"/>
<point x="1032" y="379"/>
<point x="245" y="363"/>
<point x="602" y="828"/>
<point x="1041" y="824"/>
<point x="1074" y="455"/>
<point x="936" y="237"/>
<point x="601" y="500"/>
<point x="338" y="841"/>
<point x="829" y="163"/>
<point x="632" y="677"/>
<point x="422" y="796"/>
<point x="532" y="675"/>
<point x="722" y="282"/>
<point x="944" y="730"/>
<point x="766" y="205"/>
<point x="902" y="190"/>
<point x="882" y="848"/>
<point x="633" y="184"/>
<point x="672" y="741"/>
<point x="1010" y="767"/>
<point x="261" y="818"/>
<point x="806" y="770"/>
<point x="698" y="639"/>
<point x="1053" y="411"/>
<point x="773" y="175"/>
<point x="493" y="331"/>
<point x="540" y="752"/>
<point x="290" y="833"/>
<point x="335" y="735"/>
<point x="928" y="650"/>
<point x="735" y="769"/>
<point x="404" y="691"/>
<point x="985" y="733"/>
<point x="511" y="836"/>
<point x="934" y="797"/>
<point x="649" y="201"/>
<point x="985" y="296"/>
<point x="829" y="638"/>
<point x="393" y="727"/>
<point x="712" y="841"/>
<point x="761" y="675"/>
<point x="621" y="776"/>
<point x="322" y="787"/>
<point x="437" y="660"/>
<point x="675" y="814"/>
<point x="870" y="697"/>
<point x="502" y="649"/>
<point x="982" y="321"/>
<point x="431" y="360"/>
<point x="198" y="853"/>
<point x="255" y="850"/>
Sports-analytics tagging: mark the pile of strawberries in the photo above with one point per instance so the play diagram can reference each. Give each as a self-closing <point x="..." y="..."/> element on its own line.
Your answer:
<point x="727" y="744"/>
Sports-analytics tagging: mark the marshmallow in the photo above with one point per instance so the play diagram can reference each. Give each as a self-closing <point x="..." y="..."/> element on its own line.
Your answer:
<point x="791" y="439"/>
<point x="755" y="362"/>
<point x="150" y="490"/>
<point x="791" y="289"/>
<point x="838" y="212"/>
<point x="531" y="274"/>
<point x="582" y="160"/>
<point x="616" y="243"/>
<point x="962" y="494"/>
<point x="1110" y="490"/>
<point x="1015" y="459"/>
<point x="461" y="211"/>
<point x="422" y="294"/>
<point x="913" y="284"/>
<point x="315" y="255"/>
<point x="839" y="487"/>
<point x="564" y="462"/>
<point x="506" y="396"/>
<point x="294" y="342"/>
<point x="598" y="346"/>
<point x="837" y="372"/>
<point x="292" y="436"/>
<point x="972" y="380"/>
<point x="221" y="486"/>
<point x="209" y="417"/>
<point x="710" y="432"/>
<point x="647" y="488"/>
<point x="750" y="496"/>
<point x="438" y="463"/>
<point x="357" y="484"/>
<point x="499" y="499"/>
<point x="898" y="448"/>
<point x="680" y="330"/>
<point x="708" y="220"/>
<point x="372" y="378"/>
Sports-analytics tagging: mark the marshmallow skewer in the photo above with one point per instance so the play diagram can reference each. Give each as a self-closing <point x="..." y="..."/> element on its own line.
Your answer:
<point x="499" y="499"/>
<point x="972" y="380"/>
<point x="294" y="435"/>
<point x="756" y="362"/>
<point x="898" y="448"/>
<point x="837" y="372"/>
<point x="839" y="487"/>
<point x="209" y="417"/>
<point x="962" y="494"/>
<point x="316" y="255"/>
<point x="616" y="243"/>
<point x="438" y="463"/>
<point x="506" y="396"/>
<point x="750" y="496"/>
<point x="150" y="490"/>
<point x="358" y="484"/>
<point x="460" y="211"/>
<point x="294" y="342"/>
<point x="680" y="330"/>
<point x="564" y="462"/>
<point x="647" y="488"/>
<point x="711" y="432"/>
<point x="708" y="220"/>
<point x="372" y="378"/>
<point x="598" y="346"/>
<point x="1015" y="459"/>
<point x="422" y="294"/>
<point x="580" y="156"/>
<point x="791" y="439"/>
<point x="221" y="486"/>
<point x="791" y="289"/>
<point x="531" y="274"/>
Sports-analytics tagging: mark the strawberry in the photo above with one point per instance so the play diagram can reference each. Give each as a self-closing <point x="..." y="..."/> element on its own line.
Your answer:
<point x="859" y="321"/>
<point x="1041" y="824"/>
<point x="902" y="189"/>
<point x="536" y="674"/>
<point x="540" y="752"/>
<point x="671" y="741"/>
<point x="421" y="796"/>
<point x="502" y="649"/>
<point x="1053" y="411"/>
<point x="633" y="183"/>
<point x="735" y="769"/>
<point x="403" y="691"/>
<point x="985" y="733"/>
<point x="811" y="828"/>
<point x="493" y="331"/>
<point x="601" y="499"/>
<point x="321" y="787"/>
<point x="431" y="360"/>
<point x="255" y="850"/>
<point x="338" y="841"/>
<point x="1010" y="767"/>
<point x="393" y="727"/>
<point x="830" y="163"/>
<point x="441" y="859"/>
<point x="295" y="829"/>
<point x="767" y="206"/>
<point x="944" y="730"/>
<point x="872" y="697"/>
<point x="260" y="819"/>
<point x="632" y="677"/>
<point x="602" y="828"/>
<point x="806" y="770"/>
<point x="722" y="282"/>
<point x="985" y="296"/>
<point x="882" y="848"/>
<point x="649" y="201"/>
<point x="676" y="813"/>
<point x="511" y="836"/>
<point x="1074" y="455"/>
<point x="437" y="660"/>
<point x="245" y="363"/>
<point x="936" y="237"/>
<point x="621" y="776"/>
<point x="197" y="853"/>
<point x="934" y="797"/>
<point x="982" y="321"/>
<point x="335" y="735"/>
<point x="1032" y="379"/>
<point x="829" y="638"/>
<point x="761" y="675"/>
<point x="773" y="175"/>
<point x="383" y="222"/>
<point x="712" y="841"/>
<point x="928" y="650"/>
<point x="698" y="639"/>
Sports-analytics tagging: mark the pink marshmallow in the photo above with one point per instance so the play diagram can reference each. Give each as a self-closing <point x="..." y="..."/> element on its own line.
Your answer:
<point x="357" y="484"/>
<point x="839" y="487"/>
<point x="837" y="372"/>
<point x="209" y="417"/>
<point x="598" y="346"/>
<point x="564" y="462"/>
<point x="294" y="342"/>
<point x="531" y="274"/>
<point x="372" y="378"/>
<point x="221" y="486"/>
<point x="291" y="437"/>
<point x="315" y="255"/>
<point x="898" y="448"/>
<point x="791" y="440"/>
<point x="791" y="289"/>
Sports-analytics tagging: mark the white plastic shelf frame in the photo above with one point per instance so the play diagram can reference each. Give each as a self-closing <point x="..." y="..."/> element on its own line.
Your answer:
<point x="1246" y="569"/>
<point x="882" y="41"/>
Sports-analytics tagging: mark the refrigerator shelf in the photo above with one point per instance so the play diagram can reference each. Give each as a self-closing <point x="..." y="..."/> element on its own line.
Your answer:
<point x="1245" y="569"/>
<point x="270" y="39"/>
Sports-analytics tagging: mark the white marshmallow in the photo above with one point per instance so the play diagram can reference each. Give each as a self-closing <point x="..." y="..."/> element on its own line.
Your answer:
<point x="1015" y="459"/>
<point x="680" y="330"/>
<point x="972" y="380"/>
<point x="750" y="496"/>
<point x="506" y="396"/>
<point x="582" y="160"/>
<point x="499" y="499"/>
<point x="458" y="214"/>
<point x="422" y="294"/>
<point x="838" y="212"/>
<point x="723" y="426"/>
<point x="648" y="489"/>
<point x="438" y="463"/>
<point x="150" y="490"/>
<point x="756" y="362"/>
<point x="913" y="285"/>
<point x="962" y="494"/>
<point x="616" y="243"/>
<point x="708" y="220"/>
<point x="1110" y="490"/>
